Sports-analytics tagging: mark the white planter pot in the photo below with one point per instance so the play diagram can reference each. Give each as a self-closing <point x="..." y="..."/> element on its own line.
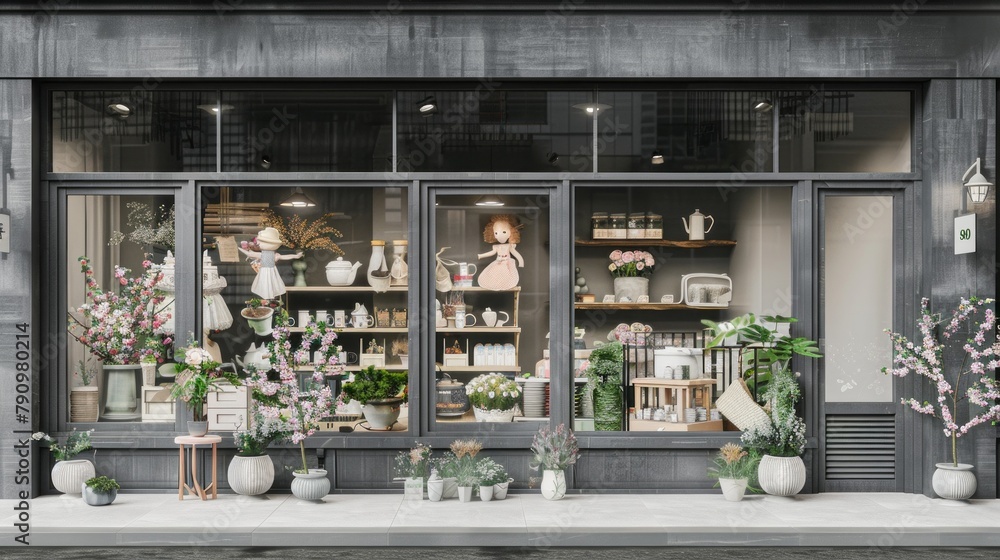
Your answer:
<point x="121" y="392"/>
<point x="553" y="485"/>
<point x="631" y="287"/>
<point x="413" y="488"/>
<point x="486" y="493"/>
<point x="450" y="488"/>
<point x="313" y="485"/>
<point x="494" y="415"/>
<point x="954" y="482"/>
<point x="733" y="488"/>
<point x="69" y="477"/>
<point x="251" y="476"/>
<point x="261" y="325"/>
<point x="435" y="490"/>
<point x="465" y="493"/>
<point x="781" y="476"/>
<point x="500" y="490"/>
<point x="197" y="429"/>
<point x="382" y="416"/>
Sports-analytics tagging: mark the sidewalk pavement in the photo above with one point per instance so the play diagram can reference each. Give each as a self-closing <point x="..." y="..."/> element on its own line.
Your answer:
<point x="580" y="520"/>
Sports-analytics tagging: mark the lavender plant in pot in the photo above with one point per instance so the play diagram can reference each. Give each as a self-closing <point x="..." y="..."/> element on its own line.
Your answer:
<point x="971" y="385"/>
<point x="554" y="450"/>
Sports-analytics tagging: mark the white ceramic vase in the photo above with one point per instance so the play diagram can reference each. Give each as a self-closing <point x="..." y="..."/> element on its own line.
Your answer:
<point x="313" y="485"/>
<point x="631" y="287"/>
<point x="251" y="476"/>
<point x="733" y="489"/>
<point x="486" y="493"/>
<point x="435" y="489"/>
<point x="381" y="416"/>
<point x="500" y="490"/>
<point x="465" y="493"/>
<point x="954" y="482"/>
<point x="494" y="415"/>
<point x="450" y="488"/>
<point x="553" y="484"/>
<point x="781" y="476"/>
<point x="69" y="477"/>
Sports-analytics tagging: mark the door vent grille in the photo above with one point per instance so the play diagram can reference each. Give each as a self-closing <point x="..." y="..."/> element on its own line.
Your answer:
<point x="860" y="447"/>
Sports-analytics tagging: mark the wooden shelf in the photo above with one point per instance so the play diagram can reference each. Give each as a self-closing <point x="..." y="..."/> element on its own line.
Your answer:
<point x="475" y="330"/>
<point x="642" y="306"/>
<point x="685" y="244"/>
<point x="390" y="367"/>
<point x="478" y="289"/>
<point x="373" y="330"/>
<point x="656" y="426"/>
<point x="337" y="289"/>
<point x="477" y="369"/>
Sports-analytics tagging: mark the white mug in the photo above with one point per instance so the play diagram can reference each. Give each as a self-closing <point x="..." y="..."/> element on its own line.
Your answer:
<point x="291" y="321"/>
<point x="321" y="315"/>
<point x="463" y="320"/>
<point x="467" y="269"/>
<point x="304" y="318"/>
<point x="362" y="321"/>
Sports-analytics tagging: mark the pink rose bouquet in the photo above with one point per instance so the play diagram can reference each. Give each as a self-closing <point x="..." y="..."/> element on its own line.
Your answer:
<point x="631" y="264"/>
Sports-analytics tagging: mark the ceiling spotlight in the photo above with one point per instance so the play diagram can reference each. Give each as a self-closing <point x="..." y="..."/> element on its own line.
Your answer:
<point x="591" y="108"/>
<point x="265" y="161"/>
<point x="489" y="200"/>
<point x="215" y="108"/>
<point x="298" y="199"/>
<point x="427" y="106"/>
<point x="657" y="158"/>
<point x="552" y="157"/>
<point x="762" y="105"/>
<point x="120" y="110"/>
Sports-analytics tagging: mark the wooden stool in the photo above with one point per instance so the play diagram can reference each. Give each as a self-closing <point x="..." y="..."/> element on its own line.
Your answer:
<point x="194" y="442"/>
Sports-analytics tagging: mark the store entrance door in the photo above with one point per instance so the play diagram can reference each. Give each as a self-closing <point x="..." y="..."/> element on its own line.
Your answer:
<point x="859" y="283"/>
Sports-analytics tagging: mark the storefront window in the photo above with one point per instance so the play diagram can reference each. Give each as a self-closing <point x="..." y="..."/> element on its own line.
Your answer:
<point x="684" y="131"/>
<point x="835" y="131"/>
<point x="139" y="129"/>
<point x="494" y="130"/>
<point x="491" y="312"/>
<point x="330" y="258"/>
<point x="119" y="286"/>
<point x="715" y="255"/>
<point x="286" y="131"/>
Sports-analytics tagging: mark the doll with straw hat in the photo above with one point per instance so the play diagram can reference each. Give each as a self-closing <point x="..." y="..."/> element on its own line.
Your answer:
<point x="268" y="284"/>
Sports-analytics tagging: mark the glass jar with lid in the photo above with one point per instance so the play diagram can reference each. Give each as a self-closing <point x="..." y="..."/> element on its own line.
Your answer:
<point x="599" y="223"/>
<point x="654" y="226"/>
<point x="618" y="228"/>
<point x="637" y="225"/>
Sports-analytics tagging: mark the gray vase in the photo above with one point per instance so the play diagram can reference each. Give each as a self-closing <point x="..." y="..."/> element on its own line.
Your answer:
<point x="382" y="414"/>
<point x="312" y="486"/>
<point x="92" y="498"/>
<point x="197" y="429"/>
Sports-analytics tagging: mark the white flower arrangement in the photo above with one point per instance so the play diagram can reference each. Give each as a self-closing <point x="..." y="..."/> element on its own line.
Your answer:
<point x="493" y="391"/>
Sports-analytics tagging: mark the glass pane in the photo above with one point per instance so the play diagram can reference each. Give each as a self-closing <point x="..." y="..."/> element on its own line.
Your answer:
<point x="845" y="131"/>
<point x="684" y="131"/>
<point x="494" y="130"/>
<point x="132" y="130"/>
<point x="714" y="255"/>
<point x="345" y="233"/>
<point x="492" y="318"/>
<point x="282" y="131"/>
<point x="857" y="298"/>
<point x="119" y="287"/>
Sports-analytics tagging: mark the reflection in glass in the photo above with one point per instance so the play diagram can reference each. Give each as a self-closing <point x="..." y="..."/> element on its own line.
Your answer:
<point x="494" y="130"/>
<point x="132" y="130"/>
<point x="119" y="289"/>
<point x="491" y="310"/>
<point x="282" y="131"/>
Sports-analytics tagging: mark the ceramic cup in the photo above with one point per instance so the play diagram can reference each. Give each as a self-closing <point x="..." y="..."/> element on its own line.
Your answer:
<point x="304" y="318"/>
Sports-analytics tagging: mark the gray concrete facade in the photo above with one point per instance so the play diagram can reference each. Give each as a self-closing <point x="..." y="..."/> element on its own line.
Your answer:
<point x="949" y="51"/>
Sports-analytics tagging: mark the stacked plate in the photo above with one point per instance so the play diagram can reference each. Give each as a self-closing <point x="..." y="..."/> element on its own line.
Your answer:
<point x="702" y="414"/>
<point x="690" y="415"/>
<point x="534" y="398"/>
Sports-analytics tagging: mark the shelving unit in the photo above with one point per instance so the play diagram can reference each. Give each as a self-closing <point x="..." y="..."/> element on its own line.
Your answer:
<point x="680" y="244"/>
<point x="644" y="306"/>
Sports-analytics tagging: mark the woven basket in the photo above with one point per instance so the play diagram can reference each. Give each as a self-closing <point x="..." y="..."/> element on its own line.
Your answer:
<point x="737" y="404"/>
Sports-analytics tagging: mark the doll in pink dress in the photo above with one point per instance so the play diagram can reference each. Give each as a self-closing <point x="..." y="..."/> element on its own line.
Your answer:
<point x="268" y="283"/>
<point x="504" y="232"/>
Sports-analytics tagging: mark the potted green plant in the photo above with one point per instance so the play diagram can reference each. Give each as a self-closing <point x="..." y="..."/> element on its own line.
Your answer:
<point x="782" y="440"/>
<point x="446" y="467"/>
<point x="465" y="451"/>
<point x="604" y="376"/>
<point x="969" y="389"/>
<point x="381" y="394"/>
<point x="84" y="400"/>
<point x="197" y="376"/>
<point x="554" y="451"/>
<point x="493" y="397"/>
<point x="491" y="474"/>
<point x="68" y="474"/>
<point x="736" y="470"/>
<point x="100" y="491"/>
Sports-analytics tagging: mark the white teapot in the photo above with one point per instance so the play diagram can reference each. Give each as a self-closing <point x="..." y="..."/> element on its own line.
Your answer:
<point x="341" y="272"/>
<point x="697" y="231"/>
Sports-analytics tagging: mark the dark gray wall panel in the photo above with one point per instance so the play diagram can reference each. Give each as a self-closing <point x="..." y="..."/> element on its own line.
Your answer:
<point x="16" y="271"/>
<point x="512" y="45"/>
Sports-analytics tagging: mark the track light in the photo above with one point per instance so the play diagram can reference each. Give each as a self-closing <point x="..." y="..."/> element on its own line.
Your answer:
<point x="552" y="157"/>
<point x="657" y="158"/>
<point x="215" y="108"/>
<point x="265" y="161"/>
<point x="762" y="105"/>
<point x="298" y="199"/>
<point x="427" y="106"/>
<point x="591" y="108"/>
<point x="489" y="200"/>
<point x="120" y="110"/>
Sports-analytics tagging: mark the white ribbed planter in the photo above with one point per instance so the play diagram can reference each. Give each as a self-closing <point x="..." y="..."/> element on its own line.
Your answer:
<point x="733" y="488"/>
<point x="954" y="482"/>
<point x="251" y="476"/>
<point x="68" y="477"/>
<point x="313" y="485"/>
<point x="781" y="476"/>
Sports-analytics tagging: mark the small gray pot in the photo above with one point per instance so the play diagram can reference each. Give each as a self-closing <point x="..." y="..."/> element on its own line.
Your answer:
<point x="92" y="498"/>
<point x="197" y="429"/>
